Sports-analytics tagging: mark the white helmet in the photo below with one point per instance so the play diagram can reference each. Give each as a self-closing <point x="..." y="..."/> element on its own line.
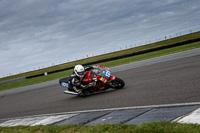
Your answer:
<point x="79" y="71"/>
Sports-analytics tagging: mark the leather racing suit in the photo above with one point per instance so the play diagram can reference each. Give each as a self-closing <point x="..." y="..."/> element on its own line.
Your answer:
<point x="77" y="83"/>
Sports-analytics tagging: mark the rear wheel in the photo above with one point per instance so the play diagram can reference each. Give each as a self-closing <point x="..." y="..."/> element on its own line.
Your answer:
<point x="118" y="83"/>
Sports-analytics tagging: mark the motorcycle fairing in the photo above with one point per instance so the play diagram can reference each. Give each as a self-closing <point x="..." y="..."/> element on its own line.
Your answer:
<point x="112" y="77"/>
<point x="87" y="79"/>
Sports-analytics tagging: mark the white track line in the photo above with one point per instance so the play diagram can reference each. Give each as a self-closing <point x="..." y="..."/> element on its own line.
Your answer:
<point x="33" y="121"/>
<point x="193" y="117"/>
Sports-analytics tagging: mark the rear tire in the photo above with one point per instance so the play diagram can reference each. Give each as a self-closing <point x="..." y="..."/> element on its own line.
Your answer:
<point x="118" y="83"/>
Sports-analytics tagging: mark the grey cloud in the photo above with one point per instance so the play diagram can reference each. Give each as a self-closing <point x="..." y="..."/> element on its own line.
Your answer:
<point x="35" y="32"/>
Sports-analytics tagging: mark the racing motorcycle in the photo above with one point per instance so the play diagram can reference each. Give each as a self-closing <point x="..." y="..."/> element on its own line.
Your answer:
<point x="102" y="75"/>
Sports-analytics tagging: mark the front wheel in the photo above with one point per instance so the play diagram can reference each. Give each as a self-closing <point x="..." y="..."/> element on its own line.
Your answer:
<point x="117" y="83"/>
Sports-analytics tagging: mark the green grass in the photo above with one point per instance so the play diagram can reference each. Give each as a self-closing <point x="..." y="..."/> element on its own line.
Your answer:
<point x="114" y="54"/>
<point x="154" y="127"/>
<point x="108" y="64"/>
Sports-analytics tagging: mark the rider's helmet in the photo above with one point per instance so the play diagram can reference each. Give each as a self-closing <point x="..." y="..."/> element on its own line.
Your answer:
<point x="79" y="71"/>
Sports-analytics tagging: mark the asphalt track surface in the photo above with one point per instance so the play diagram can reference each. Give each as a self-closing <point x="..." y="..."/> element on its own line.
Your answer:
<point x="169" y="82"/>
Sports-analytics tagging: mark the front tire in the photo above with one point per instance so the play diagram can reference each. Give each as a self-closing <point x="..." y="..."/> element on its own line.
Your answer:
<point x="118" y="83"/>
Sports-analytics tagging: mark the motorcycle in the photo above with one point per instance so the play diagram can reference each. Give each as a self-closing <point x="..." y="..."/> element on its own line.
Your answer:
<point x="102" y="75"/>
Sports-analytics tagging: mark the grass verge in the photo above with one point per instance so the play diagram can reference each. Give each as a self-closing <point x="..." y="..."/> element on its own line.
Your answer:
<point x="154" y="127"/>
<point x="108" y="64"/>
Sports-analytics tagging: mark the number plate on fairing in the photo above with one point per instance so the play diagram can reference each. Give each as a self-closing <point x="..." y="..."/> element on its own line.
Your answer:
<point x="106" y="74"/>
<point x="64" y="84"/>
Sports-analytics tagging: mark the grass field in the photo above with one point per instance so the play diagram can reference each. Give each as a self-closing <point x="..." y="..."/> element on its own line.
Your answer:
<point x="154" y="127"/>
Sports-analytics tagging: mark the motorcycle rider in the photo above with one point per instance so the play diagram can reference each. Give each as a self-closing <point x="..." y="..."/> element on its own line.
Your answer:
<point x="76" y="78"/>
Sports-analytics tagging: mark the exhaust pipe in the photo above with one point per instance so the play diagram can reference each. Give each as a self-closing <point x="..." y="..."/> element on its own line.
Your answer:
<point x="70" y="92"/>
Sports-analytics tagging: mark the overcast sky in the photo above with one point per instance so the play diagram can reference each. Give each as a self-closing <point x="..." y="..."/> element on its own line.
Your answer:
<point x="38" y="33"/>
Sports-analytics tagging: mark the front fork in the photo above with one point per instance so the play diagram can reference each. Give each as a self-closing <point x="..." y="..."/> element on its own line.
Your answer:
<point x="112" y="78"/>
